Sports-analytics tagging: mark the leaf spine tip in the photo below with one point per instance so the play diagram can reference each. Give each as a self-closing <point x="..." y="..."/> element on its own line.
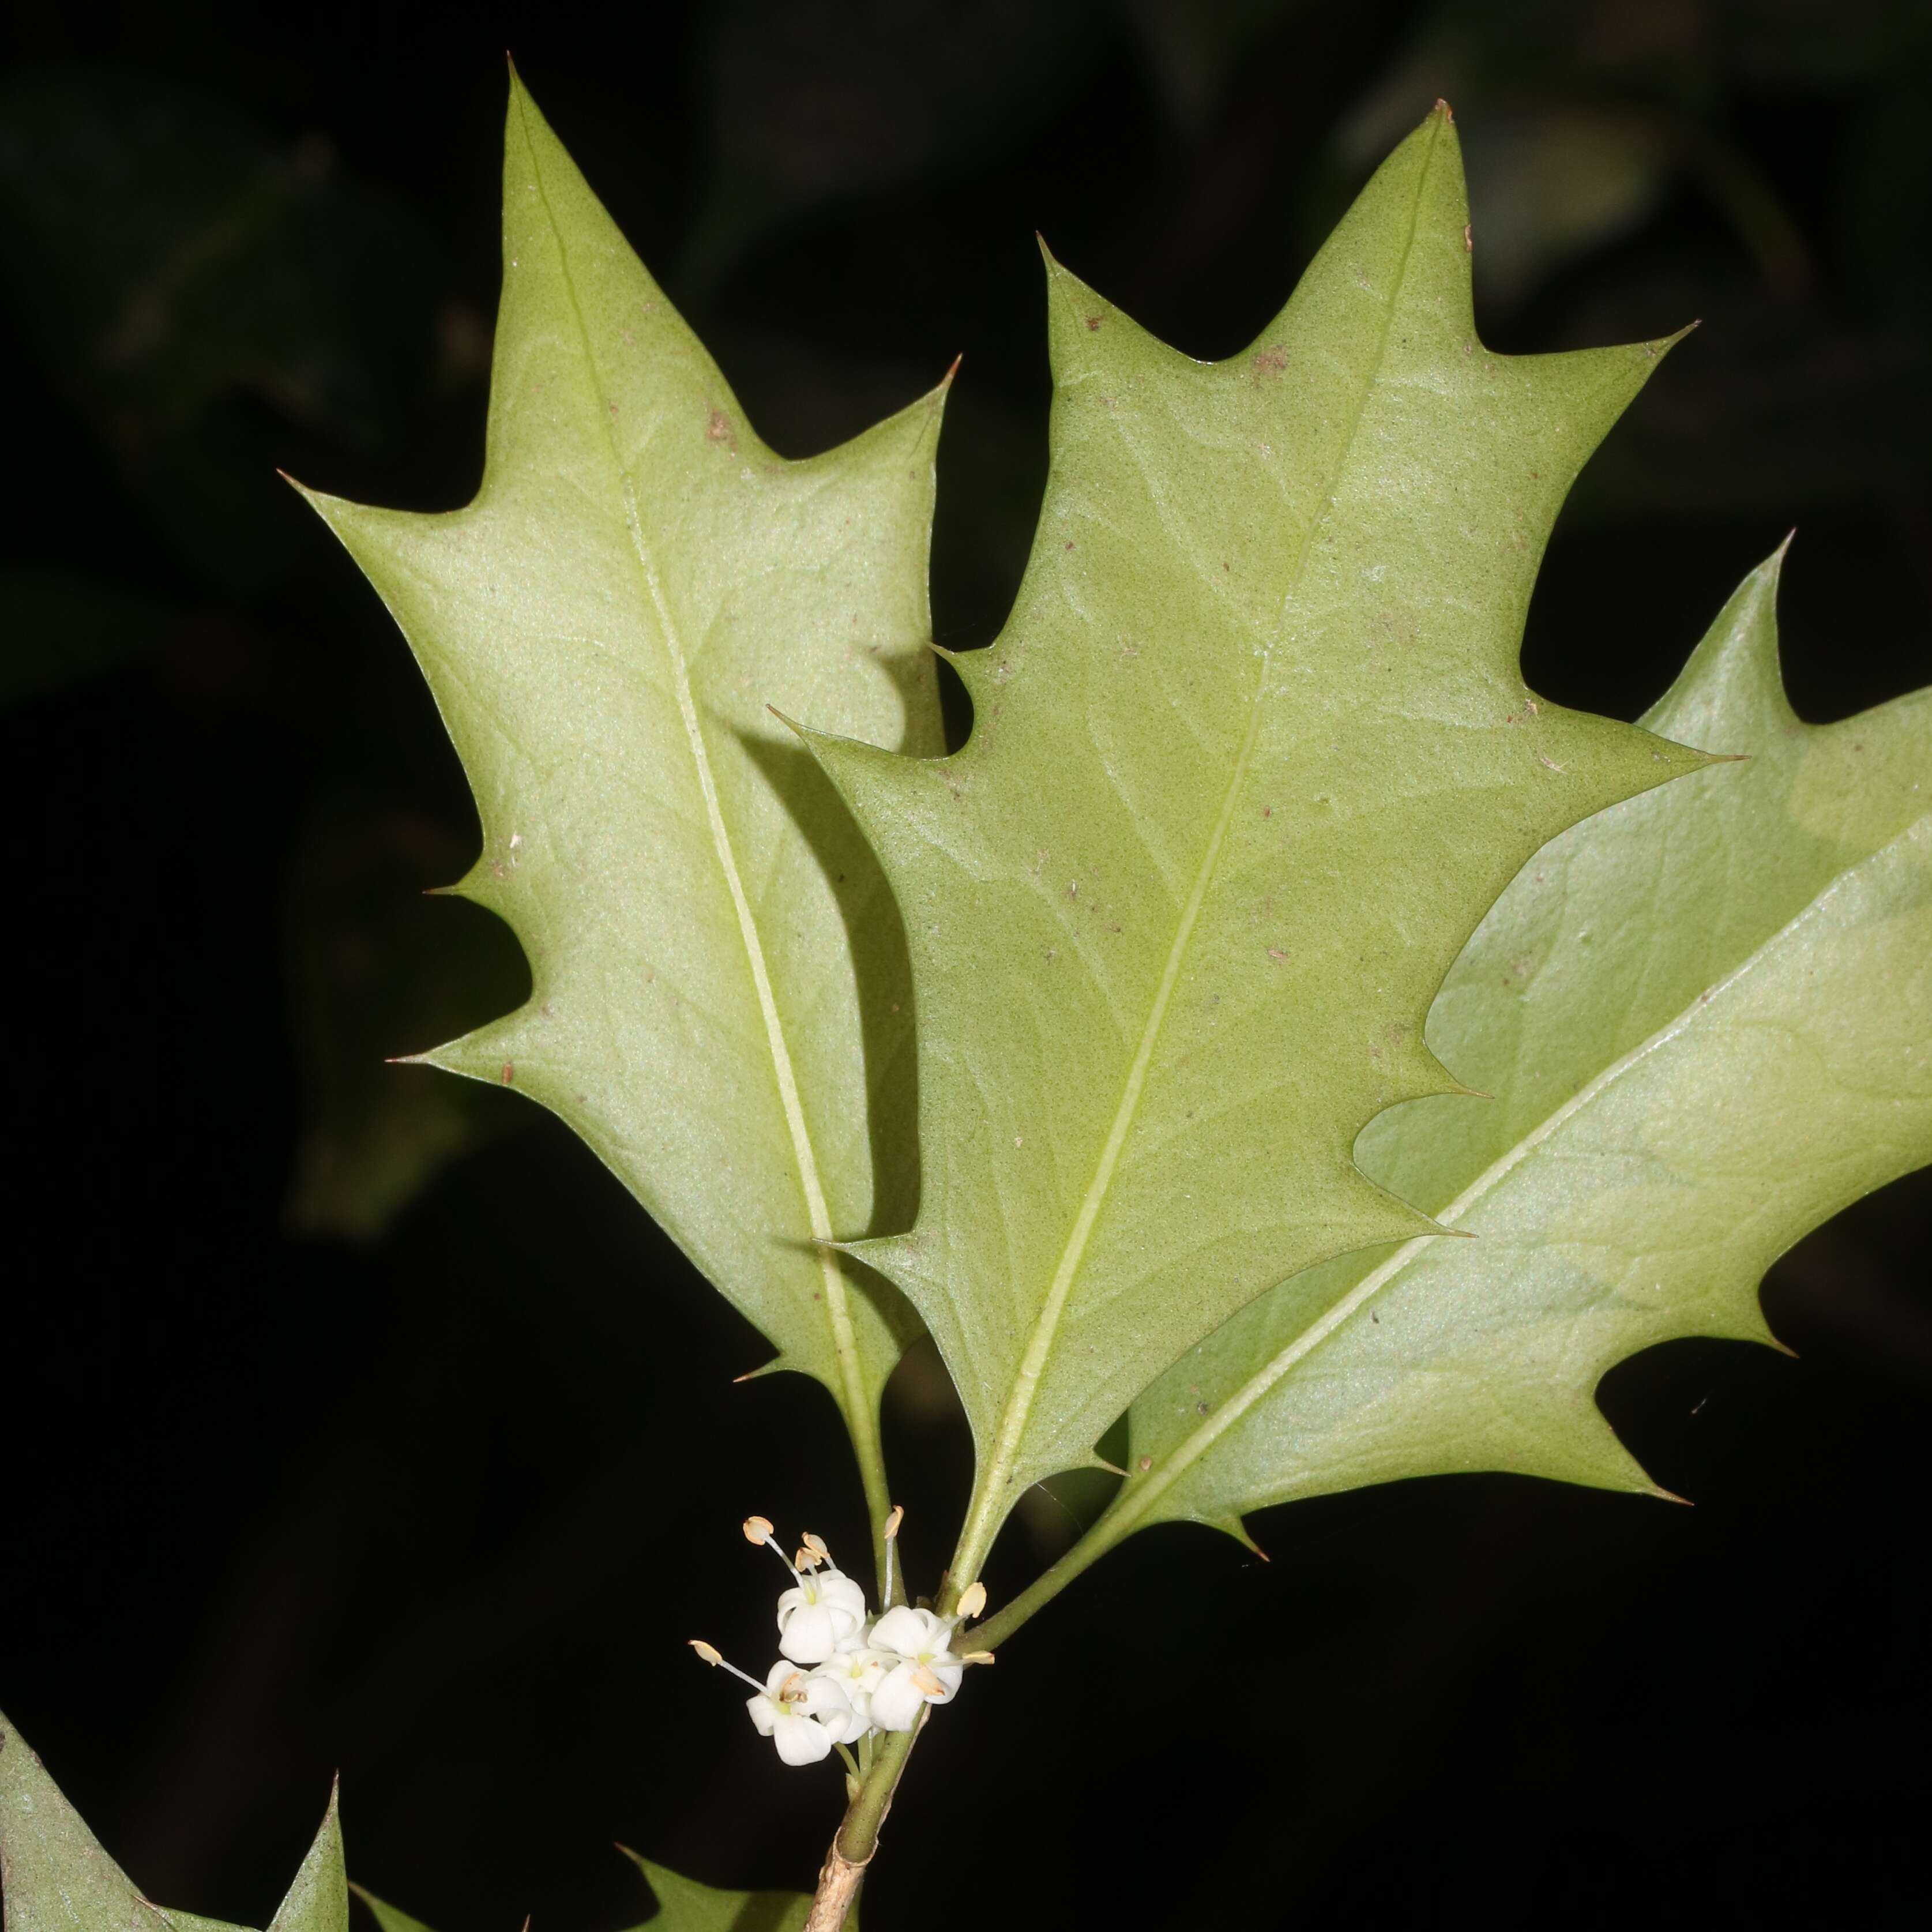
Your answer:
<point x="1664" y="1495"/>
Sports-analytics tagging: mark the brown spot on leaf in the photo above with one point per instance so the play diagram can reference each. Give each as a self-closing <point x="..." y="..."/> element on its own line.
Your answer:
<point x="509" y="1072"/>
<point x="1270" y="361"/>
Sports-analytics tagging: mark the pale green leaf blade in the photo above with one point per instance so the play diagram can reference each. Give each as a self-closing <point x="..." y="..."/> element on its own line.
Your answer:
<point x="386" y="1915"/>
<point x="686" y="1906"/>
<point x="683" y="1906"/>
<point x="317" y="1900"/>
<point x="1706" y="1016"/>
<point x="721" y="1003"/>
<point x="1250" y="760"/>
<point x="54" y="1876"/>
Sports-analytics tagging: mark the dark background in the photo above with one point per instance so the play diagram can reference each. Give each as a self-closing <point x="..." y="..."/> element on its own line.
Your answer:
<point x="354" y="1417"/>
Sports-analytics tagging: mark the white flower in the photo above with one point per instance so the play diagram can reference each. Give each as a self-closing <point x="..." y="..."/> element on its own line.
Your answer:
<point x="926" y="1671"/>
<point x="804" y="1717"/>
<point x="820" y="1614"/>
<point x="858" y="1673"/>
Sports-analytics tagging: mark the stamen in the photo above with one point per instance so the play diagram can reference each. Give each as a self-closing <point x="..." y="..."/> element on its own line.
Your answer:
<point x="892" y="1534"/>
<point x="977" y="1657"/>
<point x="758" y="1529"/>
<point x="972" y="1601"/>
<point x="816" y="1544"/>
<point x="805" y="1560"/>
<point x="711" y="1656"/>
<point x="927" y="1681"/>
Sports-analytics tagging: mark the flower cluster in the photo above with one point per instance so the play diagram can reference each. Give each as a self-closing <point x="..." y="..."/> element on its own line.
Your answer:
<point x="842" y="1675"/>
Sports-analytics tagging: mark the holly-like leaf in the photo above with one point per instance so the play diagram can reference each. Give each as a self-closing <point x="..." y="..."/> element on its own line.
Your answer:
<point x="683" y="1906"/>
<point x="1250" y="760"/>
<point x="720" y="1003"/>
<point x="686" y="1906"/>
<point x="386" y="1915"/>
<point x="55" y="1877"/>
<point x="1706" y="1017"/>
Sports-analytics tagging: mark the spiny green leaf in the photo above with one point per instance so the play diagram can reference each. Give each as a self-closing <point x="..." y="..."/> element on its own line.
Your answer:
<point x="683" y="1906"/>
<point x="686" y="1906"/>
<point x="386" y="1915"/>
<point x="720" y="1004"/>
<point x="1250" y="760"/>
<point x="1706" y="1017"/>
<point x="55" y="1877"/>
<point x="318" y="1900"/>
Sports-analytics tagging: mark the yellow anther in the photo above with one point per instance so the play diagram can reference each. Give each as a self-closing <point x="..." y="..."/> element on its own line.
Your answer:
<point x="893" y="1521"/>
<point x="972" y="1600"/>
<point x="757" y="1528"/>
<point x="711" y="1656"/>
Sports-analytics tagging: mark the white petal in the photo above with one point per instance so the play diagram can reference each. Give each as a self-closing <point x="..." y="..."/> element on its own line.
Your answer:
<point x="896" y="1703"/>
<point x="844" y="1593"/>
<point x="765" y="1713"/>
<point x="909" y="1631"/>
<point x="825" y="1698"/>
<point x="809" y="1635"/>
<point x="801" y="1741"/>
<point x="950" y="1673"/>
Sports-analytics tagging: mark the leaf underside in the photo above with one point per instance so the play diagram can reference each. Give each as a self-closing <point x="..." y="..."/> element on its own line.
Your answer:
<point x="721" y="1003"/>
<point x="1706" y="1018"/>
<point x="54" y="1876"/>
<point x="1251" y="758"/>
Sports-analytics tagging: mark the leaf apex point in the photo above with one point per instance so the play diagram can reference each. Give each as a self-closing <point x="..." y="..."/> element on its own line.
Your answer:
<point x="1664" y="1495"/>
<point x="952" y="370"/>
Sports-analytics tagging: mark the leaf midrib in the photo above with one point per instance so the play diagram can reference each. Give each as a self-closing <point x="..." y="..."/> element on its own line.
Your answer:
<point x="1135" y="1502"/>
<point x="983" y="1520"/>
<point x="837" y="1307"/>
